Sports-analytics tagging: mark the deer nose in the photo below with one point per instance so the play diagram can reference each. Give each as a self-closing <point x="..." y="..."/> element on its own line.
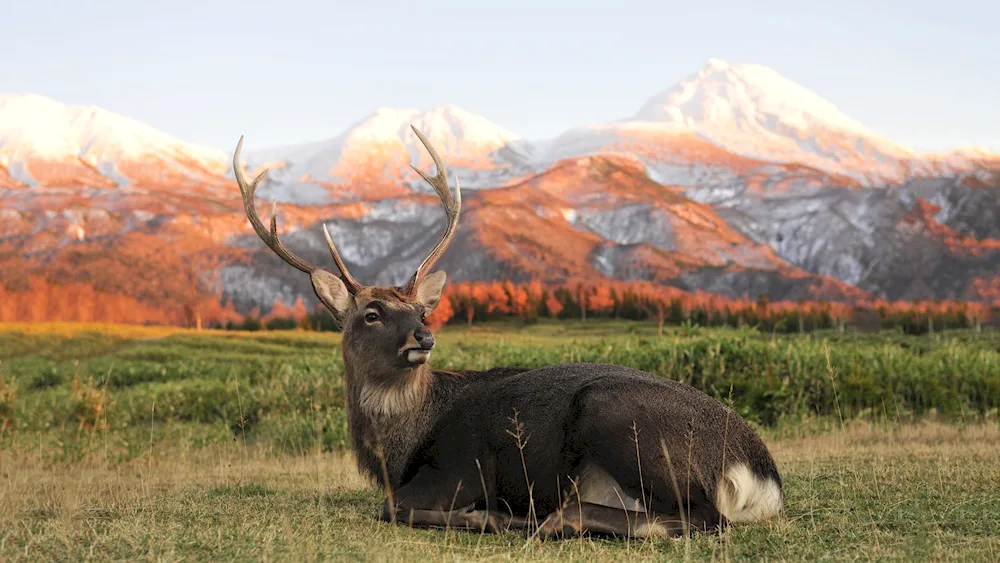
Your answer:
<point x="424" y="338"/>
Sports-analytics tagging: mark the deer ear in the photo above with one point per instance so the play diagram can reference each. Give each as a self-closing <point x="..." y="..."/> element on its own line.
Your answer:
<point x="430" y="288"/>
<point x="332" y="292"/>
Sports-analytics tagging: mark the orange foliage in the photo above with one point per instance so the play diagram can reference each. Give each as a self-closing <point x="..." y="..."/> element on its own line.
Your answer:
<point x="517" y="299"/>
<point x="497" y="300"/>
<point x="554" y="306"/>
<point x="278" y="311"/>
<point x="299" y="310"/>
<point x="600" y="300"/>
<point x="42" y="301"/>
<point x="441" y="314"/>
<point x="463" y="298"/>
<point x="36" y="299"/>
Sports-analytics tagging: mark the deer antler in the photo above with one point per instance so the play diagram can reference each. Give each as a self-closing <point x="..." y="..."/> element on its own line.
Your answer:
<point x="452" y="207"/>
<point x="270" y="238"/>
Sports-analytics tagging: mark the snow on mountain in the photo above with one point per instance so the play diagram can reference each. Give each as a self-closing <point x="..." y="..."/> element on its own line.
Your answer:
<point x="106" y="139"/>
<point x="380" y="149"/>
<point x="745" y="97"/>
<point x="44" y="142"/>
<point x="32" y="128"/>
<point x="747" y="110"/>
<point x="781" y="178"/>
<point x="754" y="111"/>
<point x="711" y="129"/>
<point x="672" y="155"/>
<point x="751" y="115"/>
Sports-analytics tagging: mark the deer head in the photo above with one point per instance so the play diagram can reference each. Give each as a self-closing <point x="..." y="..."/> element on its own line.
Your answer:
<point x="384" y="328"/>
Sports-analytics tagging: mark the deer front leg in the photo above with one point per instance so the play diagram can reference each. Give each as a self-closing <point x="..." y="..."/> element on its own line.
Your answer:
<point x="465" y="518"/>
<point x="422" y="502"/>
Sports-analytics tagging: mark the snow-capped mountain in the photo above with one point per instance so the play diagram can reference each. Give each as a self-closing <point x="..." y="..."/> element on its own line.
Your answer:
<point x="709" y="128"/>
<point x="375" y="154"/>
<point x="753" y="111"/>
<point x="47" y="143"/>
<point x="736" y="180"/>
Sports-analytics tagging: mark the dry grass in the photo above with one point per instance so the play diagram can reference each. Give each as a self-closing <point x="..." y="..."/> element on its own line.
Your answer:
<point x="927" y="492"/>
<point x="68" y="329"/>
<point x="87" y="472"/>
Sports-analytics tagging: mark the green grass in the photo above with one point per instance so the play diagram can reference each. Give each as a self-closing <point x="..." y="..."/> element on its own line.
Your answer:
<point x="127" y="443"/>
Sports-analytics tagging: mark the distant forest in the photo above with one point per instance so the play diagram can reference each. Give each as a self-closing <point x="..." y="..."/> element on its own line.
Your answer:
<point x="471" y="302"/>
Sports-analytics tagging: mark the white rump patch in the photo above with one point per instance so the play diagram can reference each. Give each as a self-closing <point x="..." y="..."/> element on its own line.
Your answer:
<point x="743" y="497"/>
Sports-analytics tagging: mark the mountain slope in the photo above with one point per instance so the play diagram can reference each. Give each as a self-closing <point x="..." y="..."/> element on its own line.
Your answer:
<point x="755" y="112"/>
<point x="372" y="158"/>
<point x="735" y="181"/>
<point x="924" y="239"/>
<point x="586" y="218"/>
<point x="44" y="143"/>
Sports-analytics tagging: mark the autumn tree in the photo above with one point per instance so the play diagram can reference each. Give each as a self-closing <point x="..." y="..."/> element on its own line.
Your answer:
<point x="582" y="296"/>
<point x="171" y="271"/>
<point x="497" y="300"/>
<point x="463" y="299"/>
<point x="7" y="302"/>
<point x="554" y="306"/>
<point x="656" y="304"/>
<point x="536" y="294"/>
<point x="975" y="315"/>
<point x="839" y="314"/>
<point x="600" y="299"/>
<point x="278" y="311"/>
<point x="441" y="314"/>
<point x="517" y="299"/>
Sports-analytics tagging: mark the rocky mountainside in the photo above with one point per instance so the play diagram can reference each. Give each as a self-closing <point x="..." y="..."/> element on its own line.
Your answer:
<point x="734" y="181"/>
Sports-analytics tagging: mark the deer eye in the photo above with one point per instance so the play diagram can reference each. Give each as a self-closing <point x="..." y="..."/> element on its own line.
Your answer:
<point x="371" y="317"/>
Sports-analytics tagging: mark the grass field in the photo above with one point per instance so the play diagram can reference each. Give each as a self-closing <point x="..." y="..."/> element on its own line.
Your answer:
<point x="132" y="443"/>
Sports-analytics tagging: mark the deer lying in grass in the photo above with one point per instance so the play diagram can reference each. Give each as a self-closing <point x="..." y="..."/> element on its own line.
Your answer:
<point x="599" y="449"/>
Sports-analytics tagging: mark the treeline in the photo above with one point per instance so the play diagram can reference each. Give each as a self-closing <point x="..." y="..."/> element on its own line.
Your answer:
<point x="43" y="301"/>
<point x="473" y="302"/>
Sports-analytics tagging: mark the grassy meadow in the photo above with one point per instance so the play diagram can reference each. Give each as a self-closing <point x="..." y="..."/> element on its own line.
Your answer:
<point x="130" y="443"/>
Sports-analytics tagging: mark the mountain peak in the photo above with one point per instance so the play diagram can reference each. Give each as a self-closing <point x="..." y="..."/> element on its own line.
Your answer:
<point x="443" y="120"/>
<point x="37" y="131"/>
<point x="753" y="111"/>
<point x="33" y="125"/>
<point x="744" y="97"/>
<point x="716" y="63"/>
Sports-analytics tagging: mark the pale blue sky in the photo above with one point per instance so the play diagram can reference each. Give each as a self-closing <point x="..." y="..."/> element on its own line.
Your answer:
<point x="924" y="73"/>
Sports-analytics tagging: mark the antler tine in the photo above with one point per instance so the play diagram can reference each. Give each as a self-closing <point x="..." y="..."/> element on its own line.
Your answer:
<point x="452" y="208"/>
<point x="352" y="284"/>
<point x="270" y="237"/>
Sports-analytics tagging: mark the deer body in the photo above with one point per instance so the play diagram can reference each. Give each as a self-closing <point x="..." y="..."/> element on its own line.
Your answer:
<point x="544" y="428"/>
<point x="560" y="450"/>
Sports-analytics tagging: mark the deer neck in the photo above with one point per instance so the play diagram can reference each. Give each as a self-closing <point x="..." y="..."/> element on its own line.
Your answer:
<point x="400" y="398"/>
<point x="388" y="422"/>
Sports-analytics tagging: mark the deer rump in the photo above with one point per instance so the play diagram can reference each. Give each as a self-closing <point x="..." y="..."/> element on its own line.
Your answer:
<point x="541" y="440"/>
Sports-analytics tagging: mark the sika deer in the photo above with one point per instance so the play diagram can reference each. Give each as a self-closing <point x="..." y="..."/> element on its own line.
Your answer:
<point x="594" y="448"/>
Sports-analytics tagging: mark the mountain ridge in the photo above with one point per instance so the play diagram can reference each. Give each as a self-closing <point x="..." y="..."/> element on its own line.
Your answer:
<point x="787" y="202"/>
<point x="745" y="109"/>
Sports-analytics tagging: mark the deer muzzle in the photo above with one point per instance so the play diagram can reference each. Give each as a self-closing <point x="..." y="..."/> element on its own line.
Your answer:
<point x="418" y="345"/>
